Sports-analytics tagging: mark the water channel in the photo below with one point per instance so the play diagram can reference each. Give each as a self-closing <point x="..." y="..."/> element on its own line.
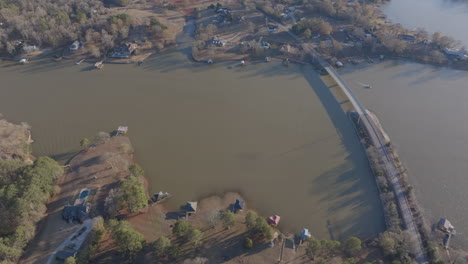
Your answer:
<point x="272" y="133"/>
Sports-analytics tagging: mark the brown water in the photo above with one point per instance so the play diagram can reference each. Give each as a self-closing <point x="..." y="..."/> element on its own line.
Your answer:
<point x="275" y="134"/>
<point x="425" y="112"/>
<point x="449" y="17"/>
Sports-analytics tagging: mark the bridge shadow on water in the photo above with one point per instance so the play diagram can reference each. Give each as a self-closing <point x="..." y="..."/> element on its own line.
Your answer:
<point x="354" y="189"/>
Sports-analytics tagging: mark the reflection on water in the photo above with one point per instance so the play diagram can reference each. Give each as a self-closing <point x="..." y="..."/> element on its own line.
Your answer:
<point x="424" y="111"/>
<point x="449" y="17"/>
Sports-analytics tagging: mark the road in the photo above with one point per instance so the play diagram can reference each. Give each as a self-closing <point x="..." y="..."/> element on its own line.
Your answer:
<point x="378" y="141"/>
<point x="75" y="241"/>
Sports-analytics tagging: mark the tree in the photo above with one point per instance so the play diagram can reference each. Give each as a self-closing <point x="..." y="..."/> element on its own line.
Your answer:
<point x="129" y="241"/>
<point x="329" y="247"/>
<point x="133" y="194"/>
<point x="102" y="136"/>
<point x="313" y="248"/>
<point x="173" y="251"/>
<point x="387" y="243"/>
<point x="263" y="229"/>
<point x="250" y="219"/>
<point x="84" y="142"/>
<point x="195" y="236"/>
<point x="136" y="170"/>
<point x="161" y="246"/>
<point x="70" y="260"/>
<point x="352" y="246"/>
<point x="228" y="218"/>
<point x="112" y="206"/>
<point x="248" y="243"/>
<point x="307" y="33"/>
<point x="181" y="228"/>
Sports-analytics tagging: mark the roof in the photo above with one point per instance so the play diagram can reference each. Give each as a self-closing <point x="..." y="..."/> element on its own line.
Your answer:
<point x="274" y="220"/>
<point x="305" y="233"/>
<point x="239" y="204"/>
<point x="75" y="212"/>
<point x="444" y="223"/>
<point x="191" y="206"/>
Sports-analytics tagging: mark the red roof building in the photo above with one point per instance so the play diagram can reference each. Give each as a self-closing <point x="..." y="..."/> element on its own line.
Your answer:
<point x="274" y="220"/>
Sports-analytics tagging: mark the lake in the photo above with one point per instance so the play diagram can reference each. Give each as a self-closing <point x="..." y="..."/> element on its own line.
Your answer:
<point x="424" y="111"/>
<point x="273" y="133"/>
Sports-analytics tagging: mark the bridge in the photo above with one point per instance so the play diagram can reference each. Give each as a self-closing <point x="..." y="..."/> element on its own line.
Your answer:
<point x="378" y="142"/>
<point x="391" y="170"/>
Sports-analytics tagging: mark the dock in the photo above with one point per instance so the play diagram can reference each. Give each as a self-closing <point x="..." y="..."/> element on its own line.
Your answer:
<point x="99" y="65"/>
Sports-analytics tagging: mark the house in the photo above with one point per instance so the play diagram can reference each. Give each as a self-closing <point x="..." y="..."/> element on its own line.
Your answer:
<point x="239" y="205"/>
<point x="274" y="220"/>
<point x="75" y="45"/>
<point x="29" y="48"/>
<point x="64" y="254"/>
<point x="445" y="225"/>
<point x="460" y="54"/>
<point x="265" y="45"/>
<point x="125" y="50"/>
<point x="305" y="233"/>
<point x="75" y="212"/>
<point x="191" y="207"/>
<point x="272" y="28"/>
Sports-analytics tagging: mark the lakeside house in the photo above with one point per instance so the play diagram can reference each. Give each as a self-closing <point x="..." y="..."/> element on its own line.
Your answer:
<point x="305" y="233"/>
<point x="78" y="212"/>
<point x="191" y="207"/>
<point x="445" y="225"/>
<point x="274" y="220"/>
<point x="460" y="54"/>
<point x="239" y="205"/>
<point x="30" y="48"/>
<point x="125" y="50"/>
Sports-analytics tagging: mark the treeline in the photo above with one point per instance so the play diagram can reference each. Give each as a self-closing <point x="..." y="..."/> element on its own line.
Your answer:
<point x="24" y="190"/>
<point x="60" y="22"/>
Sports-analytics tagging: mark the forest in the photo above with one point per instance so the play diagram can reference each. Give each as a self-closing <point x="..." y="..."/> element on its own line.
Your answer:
<point x="55" y="23"/>
<point x="24" y="190"/>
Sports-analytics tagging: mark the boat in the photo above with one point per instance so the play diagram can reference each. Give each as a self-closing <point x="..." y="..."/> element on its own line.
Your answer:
<point x="368" y="86"/>
<point x="242" y="63"/>
<point x="267" y="59"/>
<point x="23" y="61"/>
<point x="160" y="196"/>
<point x="79" y="62"/>
<point x="99" y="65"/>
